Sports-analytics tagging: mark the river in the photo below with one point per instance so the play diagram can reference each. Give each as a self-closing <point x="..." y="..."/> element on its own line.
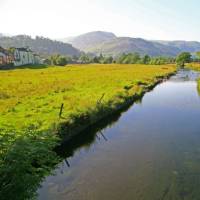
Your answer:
<point x="151" y="151"/>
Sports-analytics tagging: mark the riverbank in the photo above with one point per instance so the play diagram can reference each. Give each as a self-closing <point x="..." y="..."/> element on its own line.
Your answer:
<point x="196" y="67"/>
<point x="30" y="105"/>
<point x="193" y="66"/>
<point x="150" y="151"/>
<point x="68" y="130"/>
<point x="32" y="97"/>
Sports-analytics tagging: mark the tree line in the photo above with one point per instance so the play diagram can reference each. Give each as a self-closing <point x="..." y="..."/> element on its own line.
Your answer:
<point x="129" y="58"/>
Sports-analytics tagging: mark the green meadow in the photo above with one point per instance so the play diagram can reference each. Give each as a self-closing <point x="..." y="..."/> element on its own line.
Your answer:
<point x="30" y="101"/>
<point x="33" y="97"/>
<point x="194" y="66"/>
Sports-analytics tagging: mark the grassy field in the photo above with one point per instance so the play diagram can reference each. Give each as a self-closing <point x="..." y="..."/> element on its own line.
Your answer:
<point x="194" y="66"/>
<point x="30" y="100"/>
<point x="30" y="97"/>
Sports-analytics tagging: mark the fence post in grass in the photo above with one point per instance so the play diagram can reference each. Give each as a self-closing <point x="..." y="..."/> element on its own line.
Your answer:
<point x="99" y="101"/>
<point x="61" y="109"/>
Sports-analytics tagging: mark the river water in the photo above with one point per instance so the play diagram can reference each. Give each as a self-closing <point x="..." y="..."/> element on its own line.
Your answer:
<point x="151" y="151"/>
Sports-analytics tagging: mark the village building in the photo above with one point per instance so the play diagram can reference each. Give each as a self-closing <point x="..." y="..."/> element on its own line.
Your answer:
<point x="24" y="56"/>
<point x="18" y="57"/>
<point x="6" y="58"/>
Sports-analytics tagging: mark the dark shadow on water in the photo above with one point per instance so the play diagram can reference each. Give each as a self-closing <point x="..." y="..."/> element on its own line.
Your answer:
<point x="87" y="137"/>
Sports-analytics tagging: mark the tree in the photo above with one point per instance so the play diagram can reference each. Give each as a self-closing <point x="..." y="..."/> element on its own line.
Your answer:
<point x="53" y="59"/>
<point x="58" y="60"/>
<point x="121" y="58"/>
<point x="130" y="58"/>
<point x="84" y="58"/>
<point x="95" y="59"/>
<point x="198" y="55"/>
<point x="135" y="58"/>
<point x="183" y="58"/>
<point x="61" y="60"/>
<point x="47" y="61"/>
<point x="107" y="60"/>
<point x="146" y="59"/>
<point x="158" y="60"/>
<point x="101" y="58"/>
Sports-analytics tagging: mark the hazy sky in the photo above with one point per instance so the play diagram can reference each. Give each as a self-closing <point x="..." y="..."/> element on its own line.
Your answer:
<point x="150" y="19"/>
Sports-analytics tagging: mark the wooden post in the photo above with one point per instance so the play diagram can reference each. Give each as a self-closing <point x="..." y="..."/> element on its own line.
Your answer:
<point x="61" y="109"/>
<point x="99" y="101"/>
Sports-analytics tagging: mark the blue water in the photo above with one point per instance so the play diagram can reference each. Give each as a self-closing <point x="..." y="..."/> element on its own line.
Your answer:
<point x="149" y="152"/>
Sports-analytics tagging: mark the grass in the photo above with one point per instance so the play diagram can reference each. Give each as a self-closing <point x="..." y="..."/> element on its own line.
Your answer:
<point x="30" y="100"/>
<point x="31" y="97"/>
<point x="196" y="67"/>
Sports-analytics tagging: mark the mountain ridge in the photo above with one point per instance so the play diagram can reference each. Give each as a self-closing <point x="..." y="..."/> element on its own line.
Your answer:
<point x="113" y="45"/>
<point x="41" y="45"/>
<point x="88" y="40"/>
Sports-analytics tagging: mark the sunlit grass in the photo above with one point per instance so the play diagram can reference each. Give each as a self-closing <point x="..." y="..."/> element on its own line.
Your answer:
<point x="194" y="66"/>
<point x="30" y="100"/>
<point x="33" y="96"/>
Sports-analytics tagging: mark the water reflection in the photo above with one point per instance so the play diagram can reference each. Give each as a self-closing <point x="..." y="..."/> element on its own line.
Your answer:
<point x="185" y="75"/>
<point x="149" y="152"/>
<point x="88" y="136"/>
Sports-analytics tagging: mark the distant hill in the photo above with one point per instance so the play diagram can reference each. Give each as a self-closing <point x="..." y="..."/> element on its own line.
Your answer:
<point x="126" y="45"/>
<point x="100" y="42"/>
<point x="40" y="45"/>
<point x="107" y="43"/>
<point x="89" y="40"/>
<point x="191" y="46"/>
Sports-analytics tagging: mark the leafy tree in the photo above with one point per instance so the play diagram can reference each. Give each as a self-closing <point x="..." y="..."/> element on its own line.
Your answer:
<point x="84" y="58"/>
<point x="198" y="55"/>
<point x="121" y="58"/>
<point x="61" y="60"/>
<point x="135" y="58"/>
<point x="69" y="59"/>
<point x="95" y="59"/>
<point x="107" y="60"/>
<point x="183" y="58"/>
<point x="47" y="61"/>
<point x="75" y="58"/>
<point x="158" y="60"/>
<point x="146" y="59"/>
<point x="130" y="58"/>
<point x="101" y="58"/>
<point x="53" y="59"/>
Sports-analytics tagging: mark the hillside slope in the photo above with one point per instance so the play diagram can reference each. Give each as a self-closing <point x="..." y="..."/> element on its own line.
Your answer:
<point x="191" y="46"/>
<point x="40" y="45"/>
<point x="107" y="43"/>
<point x="89" y="40"/>
<point x="126" y="45"/>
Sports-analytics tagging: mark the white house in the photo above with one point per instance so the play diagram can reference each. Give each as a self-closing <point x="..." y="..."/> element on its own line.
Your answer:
<point x="6" y="58"/>
<point x="24" y="56"/>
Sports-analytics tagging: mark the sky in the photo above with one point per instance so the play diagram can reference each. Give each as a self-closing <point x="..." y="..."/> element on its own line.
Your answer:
<point x="149" y="19"/>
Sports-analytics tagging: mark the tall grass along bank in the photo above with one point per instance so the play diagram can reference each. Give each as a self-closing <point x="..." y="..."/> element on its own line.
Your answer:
<point x="196" y="67"/>
<point x="31" y="123"/>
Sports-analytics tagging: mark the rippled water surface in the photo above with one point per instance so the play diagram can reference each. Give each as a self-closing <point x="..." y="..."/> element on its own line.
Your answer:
<point x="149" y="152"/>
